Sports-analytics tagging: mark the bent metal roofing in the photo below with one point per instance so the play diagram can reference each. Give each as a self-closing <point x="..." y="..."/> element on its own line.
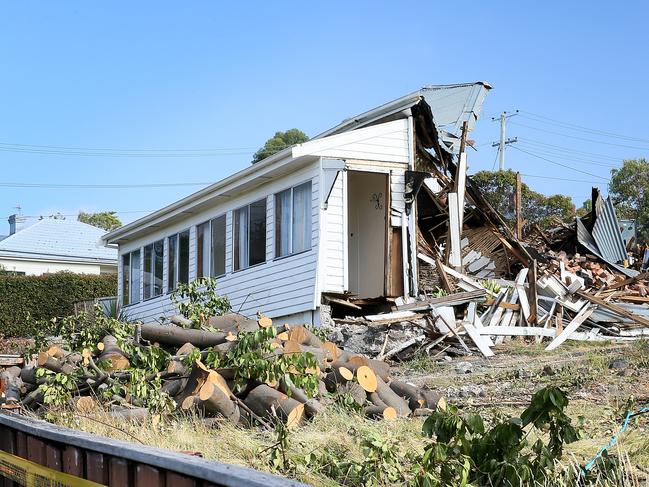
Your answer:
<point x="64" y="240"/>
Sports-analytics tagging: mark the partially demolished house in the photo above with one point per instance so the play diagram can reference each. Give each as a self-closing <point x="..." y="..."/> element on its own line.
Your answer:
<point x="337" y="214"/>
<point x="375" y="225"/>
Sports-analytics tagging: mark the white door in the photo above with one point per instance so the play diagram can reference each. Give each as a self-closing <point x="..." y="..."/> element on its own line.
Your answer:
<point x="366" y="226"/>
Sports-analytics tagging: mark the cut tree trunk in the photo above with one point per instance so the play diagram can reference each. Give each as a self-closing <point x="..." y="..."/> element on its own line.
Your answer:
<point x="262" y="400"/>
<point x="391" y="398"/>
<point x="311" y="405"/>
<point x="175" y="335"/>
<point x="381" y="412"/>
<point x="54" y="364"/>
<point x="409" y="392"/>
<point x="216" y="401"/>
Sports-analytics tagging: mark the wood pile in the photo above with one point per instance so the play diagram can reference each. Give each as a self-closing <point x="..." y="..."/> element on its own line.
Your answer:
<point x="231" y="393"/>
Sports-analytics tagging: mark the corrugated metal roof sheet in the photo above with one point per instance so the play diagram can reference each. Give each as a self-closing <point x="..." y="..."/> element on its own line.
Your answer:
<point x="607" y="233"/>
<point x="451" y="106"/>
<point x="586" y="239"/>
<point x="68" y="240"/>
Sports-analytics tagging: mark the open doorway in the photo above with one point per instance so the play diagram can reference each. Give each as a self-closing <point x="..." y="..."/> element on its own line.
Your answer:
<point x="367" y="213"/>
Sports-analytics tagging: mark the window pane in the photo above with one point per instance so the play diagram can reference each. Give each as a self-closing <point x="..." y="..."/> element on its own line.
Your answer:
<point x="202" y="250"/>
<point x="282" y="223"/>
<point x="257" y="232"/>
<point x="126" y="278"/>
<point x="148" y="271"/>
<point x="171" y="274"/>
<point x="241" y="238"/>
<point x="218" y="246"/>
<point x="183" y="257"/>
<point x="158" y="264"/>
<point x="135" y="276"/>
<point x="302" y="217"/>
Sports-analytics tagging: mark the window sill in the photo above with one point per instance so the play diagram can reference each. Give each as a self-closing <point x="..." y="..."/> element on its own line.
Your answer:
<point x="282" y="257"/>
<point x="152" y="298"/>
<point x="249" y="267"/>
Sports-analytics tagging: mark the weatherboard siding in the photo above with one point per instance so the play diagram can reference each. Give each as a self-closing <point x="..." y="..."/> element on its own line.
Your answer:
<point x="278" y="287"/>
<point x="334" y="238"/>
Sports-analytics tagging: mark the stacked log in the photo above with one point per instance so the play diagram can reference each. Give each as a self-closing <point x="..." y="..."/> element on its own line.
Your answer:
<point x="221" y="393"/>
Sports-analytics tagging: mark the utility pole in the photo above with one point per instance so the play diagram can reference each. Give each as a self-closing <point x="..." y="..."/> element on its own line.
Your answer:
<point x="502" y="144"/>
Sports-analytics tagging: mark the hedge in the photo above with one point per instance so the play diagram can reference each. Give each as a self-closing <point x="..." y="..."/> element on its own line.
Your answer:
<point x="45" y="297"/>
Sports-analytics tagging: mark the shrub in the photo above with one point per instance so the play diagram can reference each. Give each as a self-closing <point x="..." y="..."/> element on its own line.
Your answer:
<point x="26" y="300"/>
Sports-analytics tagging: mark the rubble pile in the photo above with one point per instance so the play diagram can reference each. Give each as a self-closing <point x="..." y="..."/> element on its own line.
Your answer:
<point x="234" y="371"/>
<point x="480" y="283"/>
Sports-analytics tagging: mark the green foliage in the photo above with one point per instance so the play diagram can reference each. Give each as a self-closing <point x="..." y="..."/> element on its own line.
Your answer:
<point x="492" y="286"/>
<point x="107" y="220"/>
<point x="57" y="390"/>
<point x="253" y="357"/>
<point x="29" y="301"/>
<point x="381" y="464"/>
<point x="279" y="142"/>
<point x="464" y="452"/>
<point x="498" y="189"/>
<point x="198" y="301"/>
<point x="629" y="190"/>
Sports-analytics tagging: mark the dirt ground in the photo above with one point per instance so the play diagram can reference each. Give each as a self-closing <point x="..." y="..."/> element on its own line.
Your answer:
<point x="603" y="382"/>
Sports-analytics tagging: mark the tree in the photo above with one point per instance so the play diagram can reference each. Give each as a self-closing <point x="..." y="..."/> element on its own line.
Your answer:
<point x="104" y="219"/>
<point x="278" y="142"/>
<point x="629" y="190"/>
<point x="586" y="208"/>
<point x="498" y="189"/>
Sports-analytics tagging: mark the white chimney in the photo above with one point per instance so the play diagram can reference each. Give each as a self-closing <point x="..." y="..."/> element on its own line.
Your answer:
<point x="16" y="223"/>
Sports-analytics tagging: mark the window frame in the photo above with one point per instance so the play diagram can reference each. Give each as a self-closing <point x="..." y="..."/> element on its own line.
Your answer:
<point x="173" y="279"/>
<point x="236" y="266"/>
<point x="152" y="273"/>
<point x="209" y="225"/>
<point x="291" y="224"/>
<point x="127" y="278"/>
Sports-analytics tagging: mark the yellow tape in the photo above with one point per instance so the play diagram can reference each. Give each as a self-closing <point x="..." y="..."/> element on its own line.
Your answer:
<point x="32" y="474"/>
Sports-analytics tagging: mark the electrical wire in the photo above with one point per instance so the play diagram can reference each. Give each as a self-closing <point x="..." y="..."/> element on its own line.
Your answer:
<point x="97" y="186"/>
<point x="576" y="127"/>
<point x="564" y="149"/>
<point x="559" y="164"/>
<point x="568" y="158"/>
<point x="579" y="138"/>
<point x="125" y="212"/>
<point x="560" y="179"/>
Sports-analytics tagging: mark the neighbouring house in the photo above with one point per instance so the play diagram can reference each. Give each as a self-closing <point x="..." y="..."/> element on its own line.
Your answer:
<point x="335" y="215"/>
<point x="54" y="245"/>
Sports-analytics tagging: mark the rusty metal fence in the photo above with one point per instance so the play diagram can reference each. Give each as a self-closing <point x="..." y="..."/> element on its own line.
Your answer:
<point x="36" y="453"/>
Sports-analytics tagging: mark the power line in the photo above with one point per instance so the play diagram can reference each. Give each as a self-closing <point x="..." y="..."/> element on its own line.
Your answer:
<point x="121" y="154"/>
<point x="569" y="157"/>
<point x="114" y="149"/>
<point x="566" y="149"/>
<point x="559" y="164"/>
<point x="97" y="186"/>
<point x="560" y="179"/>
<point x="580" y="138"/>
<point x="125" y="212"/>
<point x="574" y="126"/>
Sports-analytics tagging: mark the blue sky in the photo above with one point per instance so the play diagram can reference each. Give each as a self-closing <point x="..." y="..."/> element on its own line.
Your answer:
<point x="185" y="76"/>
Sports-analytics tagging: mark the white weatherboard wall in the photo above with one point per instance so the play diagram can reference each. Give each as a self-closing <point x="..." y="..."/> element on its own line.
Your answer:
<point x="278" y="287"/>
<point x="334" y="238"/>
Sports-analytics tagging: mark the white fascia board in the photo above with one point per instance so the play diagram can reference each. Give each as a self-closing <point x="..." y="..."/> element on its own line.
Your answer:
<point x="359" y="135"/>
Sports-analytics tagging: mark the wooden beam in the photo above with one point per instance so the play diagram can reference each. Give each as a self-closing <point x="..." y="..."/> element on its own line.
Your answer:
<point x="446" y="282"/>
<point x="523" y="260"/>
<point x="518" y="207"/>
<point x="513" y="307"/>
<point x="531" y="279"/>
<point x="576" y="322"/>
<point x="614" y="308"/>
<point x="630" y="280"/>
<point x="518" y="331"/>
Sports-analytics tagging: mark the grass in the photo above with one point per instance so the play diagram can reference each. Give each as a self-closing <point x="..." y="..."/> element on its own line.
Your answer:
<point x="600" y="398"/>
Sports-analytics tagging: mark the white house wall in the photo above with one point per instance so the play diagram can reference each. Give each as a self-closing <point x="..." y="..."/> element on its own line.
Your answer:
<point x="334" y="238"/>
<point x="277" y="287"/>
